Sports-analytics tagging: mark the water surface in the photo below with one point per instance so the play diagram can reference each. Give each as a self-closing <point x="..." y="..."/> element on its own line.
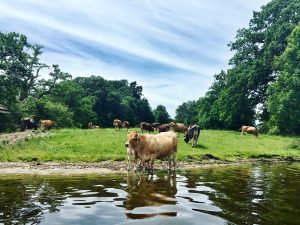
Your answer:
<point x="244" y="194"/>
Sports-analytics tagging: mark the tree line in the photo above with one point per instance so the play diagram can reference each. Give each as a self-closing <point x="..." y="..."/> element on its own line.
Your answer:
<point x="25" y="92"/>
<point x="262" y="85"/>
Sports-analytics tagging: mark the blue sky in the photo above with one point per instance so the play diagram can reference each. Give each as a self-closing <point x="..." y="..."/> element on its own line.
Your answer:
<point x="171" y="48"/>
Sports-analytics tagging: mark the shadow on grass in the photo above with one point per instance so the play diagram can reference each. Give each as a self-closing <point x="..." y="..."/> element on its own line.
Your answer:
<point x="200" y="146"/>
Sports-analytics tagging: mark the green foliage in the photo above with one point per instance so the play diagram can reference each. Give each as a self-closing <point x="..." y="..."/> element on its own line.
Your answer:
<point x="161" y="115"/>
<point x="187" y="113"/>
<point x="41" y="109"/>
<point x="116" y="99"/>
<point x="284" y="100"/>
<point x="20" y="69"/>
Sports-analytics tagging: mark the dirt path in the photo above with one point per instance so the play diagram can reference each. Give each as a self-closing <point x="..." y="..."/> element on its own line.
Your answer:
<point x="51" y="168"/>
<point x="15" y="137"/>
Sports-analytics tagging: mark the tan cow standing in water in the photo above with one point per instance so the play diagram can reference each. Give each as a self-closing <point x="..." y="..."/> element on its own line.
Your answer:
<point x="249" y="129"/>
<point x="149" y="147"/>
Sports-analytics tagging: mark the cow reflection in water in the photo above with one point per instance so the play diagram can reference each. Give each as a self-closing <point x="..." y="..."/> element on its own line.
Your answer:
<point x="150" y="191"/>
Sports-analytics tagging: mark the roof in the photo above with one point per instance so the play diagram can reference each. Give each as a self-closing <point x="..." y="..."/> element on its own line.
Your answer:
<point x="3" y="109"/>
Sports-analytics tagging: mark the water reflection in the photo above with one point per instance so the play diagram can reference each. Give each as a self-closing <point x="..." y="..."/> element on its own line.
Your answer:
<point x="146" y="193"/>
<point x="247" y="194"/>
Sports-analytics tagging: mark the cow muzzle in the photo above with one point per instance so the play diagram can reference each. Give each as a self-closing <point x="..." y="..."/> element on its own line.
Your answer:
<point x="126" y="145"/>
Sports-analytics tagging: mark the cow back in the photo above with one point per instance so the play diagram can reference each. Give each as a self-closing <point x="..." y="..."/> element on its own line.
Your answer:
<point x="166" y="144"/>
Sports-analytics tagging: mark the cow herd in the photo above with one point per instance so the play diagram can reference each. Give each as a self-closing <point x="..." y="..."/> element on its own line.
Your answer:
<point x="143" y="149"/>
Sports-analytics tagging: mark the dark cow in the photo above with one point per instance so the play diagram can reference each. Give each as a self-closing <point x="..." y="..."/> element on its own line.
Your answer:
<point x="155" y="125"/>
<point x="117" y="124"/>
<point x="146" y="126"/>
<point x="28" y="123"/>
<point x="125" y="124"/>
<point x="164" y="128"/>
<point x="47" y="124"/>
<point x="192" y="135"/>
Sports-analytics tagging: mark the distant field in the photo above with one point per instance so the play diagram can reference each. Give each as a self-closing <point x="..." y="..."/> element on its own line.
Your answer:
<point x="76" y="145"/>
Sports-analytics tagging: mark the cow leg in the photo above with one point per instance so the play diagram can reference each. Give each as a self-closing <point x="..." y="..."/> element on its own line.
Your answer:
<point x="128" y="164"/>
<point x="152" y="166"/>
<point x="129" y="160"/>
<point x="174" y="159"/>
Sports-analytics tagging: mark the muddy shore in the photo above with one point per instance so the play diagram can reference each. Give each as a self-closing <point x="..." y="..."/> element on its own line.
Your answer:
<point x="105" y="167"/>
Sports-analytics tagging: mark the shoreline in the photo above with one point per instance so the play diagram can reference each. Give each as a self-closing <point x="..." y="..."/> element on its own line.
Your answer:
<point x="113" y="167"/>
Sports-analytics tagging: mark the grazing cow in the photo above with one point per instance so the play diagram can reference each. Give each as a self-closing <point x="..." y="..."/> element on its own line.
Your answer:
<point x="164" y="127"/>
<point x="125" y="124"/>
<point x="117" y="124"/>
<point x="92" y="126"/>
<point x="155" y="125"/>
<point x="178" y="127"/>
<point x="149" y="147"/>
<point x="28" y="123"/>
<point x="192" y="134"/>
<point x="249" y="129"/>
<point x="48" y="124"/>
<point x="146" y="126"/>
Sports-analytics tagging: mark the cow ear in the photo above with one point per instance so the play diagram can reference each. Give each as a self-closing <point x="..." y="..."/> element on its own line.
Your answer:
<point x="136" y="136"/>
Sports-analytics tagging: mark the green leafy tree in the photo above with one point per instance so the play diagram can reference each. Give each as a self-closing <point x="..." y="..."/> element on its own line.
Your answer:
<point x="43" y="108"/>
<point x="144" y="111"/>
<point x="75" y="99"/>
<point x="187" y="113"/>
<point x="284" y="100"/>
<point x="161" y="114"/>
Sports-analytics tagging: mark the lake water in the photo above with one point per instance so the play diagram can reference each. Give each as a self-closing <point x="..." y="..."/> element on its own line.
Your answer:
<point x="243" y="194"/>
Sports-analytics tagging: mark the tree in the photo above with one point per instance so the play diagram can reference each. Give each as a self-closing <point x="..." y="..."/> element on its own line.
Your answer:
<point x="187" y="113"/>
<point x="284" y="101"/>
<point x="256" y="49"/>
<point x="161" y="115"/>
<point x="236" y="95"/>
<point x="143" y="111"/>
<point x="75" y="99"/>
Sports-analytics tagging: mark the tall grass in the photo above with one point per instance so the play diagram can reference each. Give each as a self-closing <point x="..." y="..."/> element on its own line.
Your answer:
<point x="76" y="145"/>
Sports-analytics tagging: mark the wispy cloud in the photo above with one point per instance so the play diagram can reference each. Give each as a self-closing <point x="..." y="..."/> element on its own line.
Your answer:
<point x="172" y="48"/>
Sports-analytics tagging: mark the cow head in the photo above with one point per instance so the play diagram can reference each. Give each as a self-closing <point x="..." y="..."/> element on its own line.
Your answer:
<point x="186" y="137"/>
<point x="132" y="140"/>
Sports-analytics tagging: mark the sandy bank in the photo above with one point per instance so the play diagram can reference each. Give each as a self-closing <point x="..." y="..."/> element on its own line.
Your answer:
<point x="51" y="168"/>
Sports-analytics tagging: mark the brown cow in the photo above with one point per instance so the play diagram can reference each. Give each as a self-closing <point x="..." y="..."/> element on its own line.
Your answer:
<point x="146" y="126"/>
<point x="125" y="124"/>
<point x="47" y="124"/>
<point x="178" y="127"/>
<point x="117" y="124"/>
<point x="149" y="147"/>
<point x="249" y="129"/>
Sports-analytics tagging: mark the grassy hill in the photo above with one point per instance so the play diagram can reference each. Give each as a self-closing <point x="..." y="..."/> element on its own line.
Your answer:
<point x="76" y="145"/>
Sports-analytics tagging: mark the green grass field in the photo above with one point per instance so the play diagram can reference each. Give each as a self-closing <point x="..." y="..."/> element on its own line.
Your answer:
<point x="76" y="145"/>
